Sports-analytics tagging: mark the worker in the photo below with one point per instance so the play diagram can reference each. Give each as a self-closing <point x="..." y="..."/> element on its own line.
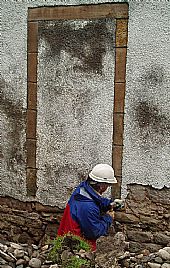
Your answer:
<point x="87" y="213"/>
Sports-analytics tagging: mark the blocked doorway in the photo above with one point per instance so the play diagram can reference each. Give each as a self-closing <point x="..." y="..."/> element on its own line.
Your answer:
<point x="76" y="90"/>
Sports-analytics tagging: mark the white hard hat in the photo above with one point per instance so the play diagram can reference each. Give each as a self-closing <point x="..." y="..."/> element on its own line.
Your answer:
<point x="103" y="173"/>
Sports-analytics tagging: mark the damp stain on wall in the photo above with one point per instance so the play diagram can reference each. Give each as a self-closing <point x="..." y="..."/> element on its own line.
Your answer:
<point x="16" y="116"/>
<point x="56" y="172"/>
<point x="87" y="43"/>
<point x="151" y="121"/>
<point x="81" y="100"/>
<point x="153" y="77"/>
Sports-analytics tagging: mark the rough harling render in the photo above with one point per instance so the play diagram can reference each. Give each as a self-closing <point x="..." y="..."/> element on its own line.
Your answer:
<point x="147" y="106"/>
<point x="70" y="122"/>
<point x="75" y="102"/>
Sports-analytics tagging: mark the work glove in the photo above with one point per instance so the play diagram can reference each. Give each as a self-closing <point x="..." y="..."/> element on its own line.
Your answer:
<point x="117" y="205"/>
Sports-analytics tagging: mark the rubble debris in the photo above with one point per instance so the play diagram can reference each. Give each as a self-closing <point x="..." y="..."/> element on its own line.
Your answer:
<point x="112" y="252"/>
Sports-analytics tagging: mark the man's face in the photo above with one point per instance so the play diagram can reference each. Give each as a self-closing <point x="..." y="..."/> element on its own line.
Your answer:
<point x="104" y="187"/>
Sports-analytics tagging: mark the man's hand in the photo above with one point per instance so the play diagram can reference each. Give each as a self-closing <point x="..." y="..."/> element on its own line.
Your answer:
<point x="118" y="205"/>
<point x="111" y="213"/>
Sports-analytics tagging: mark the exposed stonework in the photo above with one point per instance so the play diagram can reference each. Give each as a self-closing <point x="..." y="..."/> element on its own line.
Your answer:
<point x="27" y="222"/>
<point x="145" y="222"/>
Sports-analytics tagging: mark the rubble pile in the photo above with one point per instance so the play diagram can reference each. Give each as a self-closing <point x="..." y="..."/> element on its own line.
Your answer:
<point x="160" y="259"/>
<point x="112" y="252"/>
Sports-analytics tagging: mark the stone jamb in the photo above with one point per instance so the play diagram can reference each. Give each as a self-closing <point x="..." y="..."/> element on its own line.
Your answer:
<point x="121" y="37"/>
<point x="32" y="52"/>
<point x="118" y="11"/>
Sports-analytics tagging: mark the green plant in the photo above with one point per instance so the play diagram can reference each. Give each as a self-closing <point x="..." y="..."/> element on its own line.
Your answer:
<point x="82" y="243"/>
<point x="75" y="262"/>
<point x="70" y="242"/>
<point x="56" y="249"/>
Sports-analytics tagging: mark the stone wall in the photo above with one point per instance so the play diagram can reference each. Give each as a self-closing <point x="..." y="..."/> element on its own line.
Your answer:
<point x="27" y="222"/>
<point x="147" y="218"/>
<point x="146" y="221"/>
<point x="146" y="126"/>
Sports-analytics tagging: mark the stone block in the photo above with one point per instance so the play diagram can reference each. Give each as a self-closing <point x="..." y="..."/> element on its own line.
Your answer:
<point x="161" y="238"/>
<point x="79" y="12"/>
<point x="31" y="153"/>
<point x="12" y="219"/>
<point x="117" y="159"/>
<point x="116" y="189"/>
<point x="31" y="124"/>
<point x="138" y="236"/>
<point x="152" y="247"/>
<point x="33" y="37"/>
<point x="42" y="208"/>
<point x="119" y="97"/>
<point x="135" y="247"/>
<point x="15" y="204"/>
<point x="138" y="247"/>
<point x="149" y="220"/>
<point x="120" y="72"/>
<point x="31" y="181"/>
<point x="32" y="96"/>
<point x="137" y="192"/>
<point x="126" y="218"/>
<point x="121" y="32"/>
<point x="118" y="128"/>
<point x="32" y="67"/>
<point x="162" y="195"/>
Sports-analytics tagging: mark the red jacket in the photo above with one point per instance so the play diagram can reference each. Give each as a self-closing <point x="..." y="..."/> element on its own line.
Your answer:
<point x="82" y="215"/>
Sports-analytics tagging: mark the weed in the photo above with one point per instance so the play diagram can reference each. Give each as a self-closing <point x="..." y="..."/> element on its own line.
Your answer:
<point x="82" y="243"/>
<point x="75" y="262"/>
<point x="56" y="249"/>
<point x="72" y="243"/>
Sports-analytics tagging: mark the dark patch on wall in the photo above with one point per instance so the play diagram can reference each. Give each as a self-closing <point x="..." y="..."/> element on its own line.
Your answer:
<point x="151" y="121"/>
<point x="88" y="43"/>
<point x="55" y="173"/>
<point x="154" y="125"/>
<point x="69" y="169"/>
<point x="80" y="105"/>
<point x="17" y="118"/>
<point x="153" y="77"/>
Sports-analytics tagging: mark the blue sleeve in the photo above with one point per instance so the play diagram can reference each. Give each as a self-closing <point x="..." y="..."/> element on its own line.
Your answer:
<point x="92" y="224"/>
<point x="105" y="204"/>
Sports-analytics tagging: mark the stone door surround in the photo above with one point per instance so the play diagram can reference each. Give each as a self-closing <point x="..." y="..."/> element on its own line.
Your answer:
<point x="113" y="10"/>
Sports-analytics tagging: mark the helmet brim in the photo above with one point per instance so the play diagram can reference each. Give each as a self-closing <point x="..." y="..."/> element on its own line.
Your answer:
<point x="105" y="180"/>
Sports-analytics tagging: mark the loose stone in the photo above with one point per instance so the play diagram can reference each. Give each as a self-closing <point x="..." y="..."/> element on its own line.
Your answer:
<point x="15" y="246"/>
<point x="164" y="254"/>
<point x="18" y="253"/>
<point x="35" y="263"/>
<point x="6" y="256"/>
<point x="158" y="260"/>
<point x="20" y="261"/>
<point x="20" y="266"/>
<point x="165" y="265"/>
<point x="167" y="249"/>
<point x="44" y="248"/>
<point x="3" y="247"/>
<point x="154" y="265"/>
